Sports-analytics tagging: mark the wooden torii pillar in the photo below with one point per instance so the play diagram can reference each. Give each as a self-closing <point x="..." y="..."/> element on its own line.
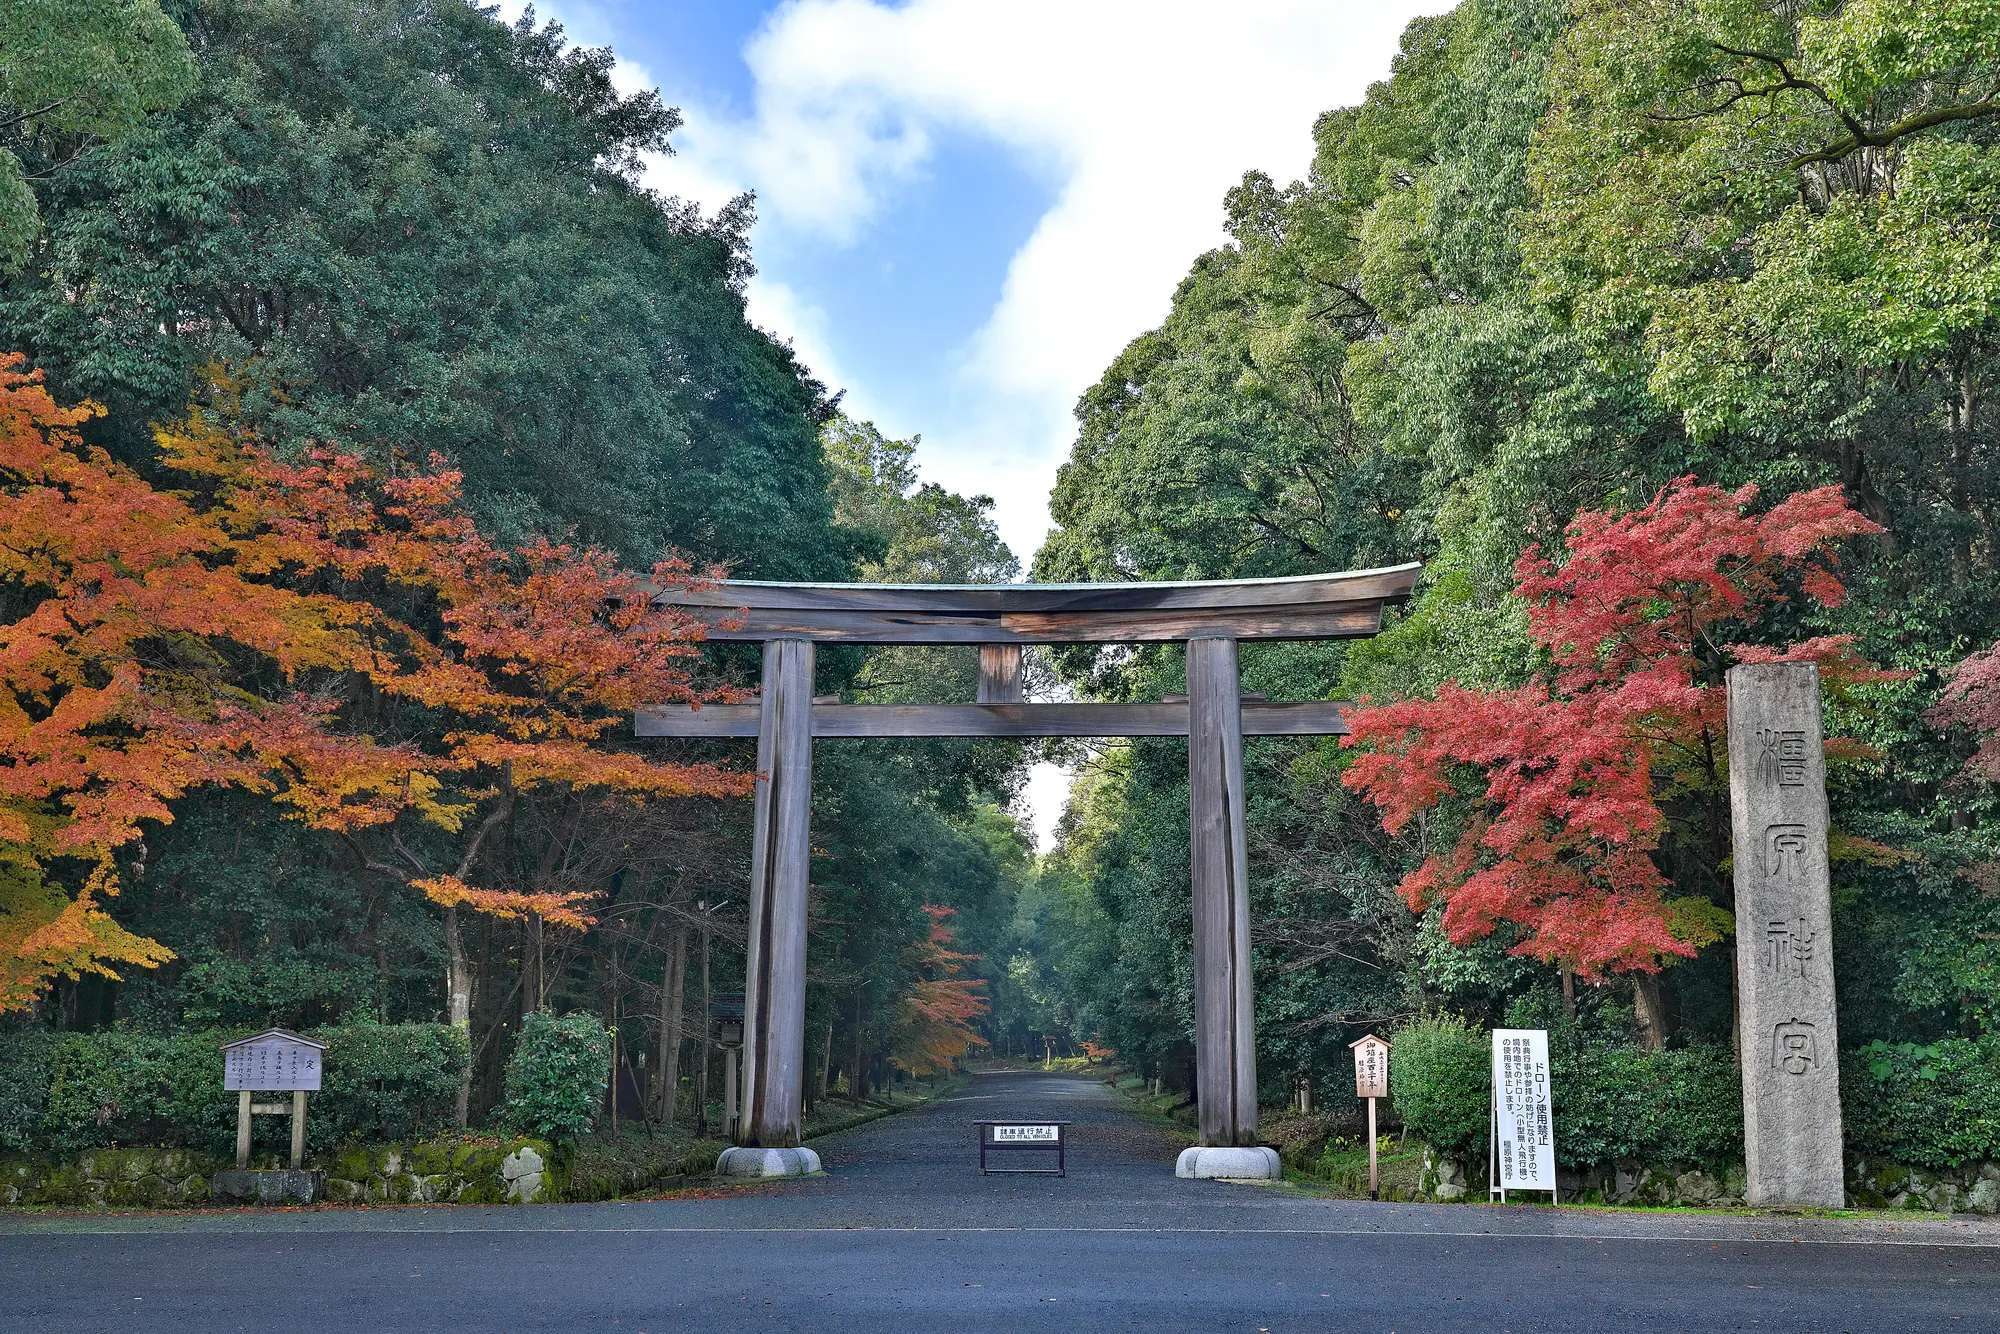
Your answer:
<point x="1210" y="617"/>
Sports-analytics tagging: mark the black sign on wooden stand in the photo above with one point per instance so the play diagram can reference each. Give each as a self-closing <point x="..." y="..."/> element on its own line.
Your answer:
<point x="1024" y="1136"/>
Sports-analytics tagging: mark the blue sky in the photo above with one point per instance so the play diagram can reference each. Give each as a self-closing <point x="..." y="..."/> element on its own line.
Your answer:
<point x="967" y="207"/>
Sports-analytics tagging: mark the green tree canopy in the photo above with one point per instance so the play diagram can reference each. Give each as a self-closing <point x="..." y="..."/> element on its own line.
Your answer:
<point x="74" y="73"/>
<point x="406" y="228"/>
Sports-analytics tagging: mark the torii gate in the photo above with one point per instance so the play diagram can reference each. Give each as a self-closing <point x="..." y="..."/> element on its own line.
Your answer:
<point x="1210" y="616"/>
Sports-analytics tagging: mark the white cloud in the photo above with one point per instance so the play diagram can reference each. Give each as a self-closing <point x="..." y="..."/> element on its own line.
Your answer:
<point x="1143" y="112"/>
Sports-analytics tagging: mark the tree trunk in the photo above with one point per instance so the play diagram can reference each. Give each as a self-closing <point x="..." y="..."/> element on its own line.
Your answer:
<point x="672" y="1007"/>
<point x="826" y="1062"/>
<point x="1569" y="994"/>
<point x="536" y="993"/>
<point x="707" y="1044"/>
<point x="1648" y="1007"/>
<point x="858" y="1080"/>
<point x="458" y="1005"/>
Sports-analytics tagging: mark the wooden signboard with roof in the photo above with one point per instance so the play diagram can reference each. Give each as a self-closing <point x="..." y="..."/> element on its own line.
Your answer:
<point x="273" y="1061"/>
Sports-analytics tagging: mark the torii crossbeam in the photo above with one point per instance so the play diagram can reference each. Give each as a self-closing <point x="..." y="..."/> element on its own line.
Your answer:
<point x="1209" y="616"/>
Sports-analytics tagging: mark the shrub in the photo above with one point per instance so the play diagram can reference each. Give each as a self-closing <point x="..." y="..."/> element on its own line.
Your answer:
<point x="1440" y="1077"/>
<point x="1932" y="1105"/>
<point x="63" y="1092"/>
<point x="1611" y="1101"/>
<point x="137" y="1088"/>
<point x="387" y="1082"/>
<point x="1616" y="1101"/>
<point x="24" y="1088"/>
<point x="557" y="1076"/>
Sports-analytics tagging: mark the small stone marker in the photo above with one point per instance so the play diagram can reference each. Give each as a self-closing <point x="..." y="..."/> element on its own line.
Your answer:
<point x="1371" y="1081"/>
<point x="1523" y="1144"/>
<point x="273" y="1061"/>
<point x="1784" y="937"/>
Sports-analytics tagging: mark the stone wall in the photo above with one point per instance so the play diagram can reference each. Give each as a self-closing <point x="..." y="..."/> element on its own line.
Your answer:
<point x="1971" y="1188"/>
<point x="444" y="1172"/>
<point x="137" y="1178"/>
<point x="521" y="1171"/>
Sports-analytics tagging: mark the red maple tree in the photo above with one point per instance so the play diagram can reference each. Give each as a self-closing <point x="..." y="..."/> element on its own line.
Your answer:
<point x="266" y="628"/>
<point x="1971" y="700"/>
<point x="1565" y="776"/>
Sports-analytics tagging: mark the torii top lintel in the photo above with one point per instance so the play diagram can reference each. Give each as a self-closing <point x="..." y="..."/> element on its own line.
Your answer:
<point x="1313" y="606"/>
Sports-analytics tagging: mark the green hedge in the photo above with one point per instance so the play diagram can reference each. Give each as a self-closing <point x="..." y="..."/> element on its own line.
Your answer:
<point x="389" y="1083"/>
<point x="60" y="1093"/>
<point x="24" y="1088"/>
<point x="558" y="1075"/>
<point x="1620" y="1102"/>
<point x="1611" y="1102"/>
<point x="1936" y="1105"/>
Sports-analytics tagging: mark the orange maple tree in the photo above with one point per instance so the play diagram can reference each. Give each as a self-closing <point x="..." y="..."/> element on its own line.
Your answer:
<point x="934" y="1019"/>
<point x="270" y="627"/>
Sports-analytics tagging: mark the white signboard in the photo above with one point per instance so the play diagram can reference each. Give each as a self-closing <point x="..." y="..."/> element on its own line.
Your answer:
<point x="270" y="1063"/>
<point x="1025" y="1134"/>
<point x="1371" y="1067"/>
<point x="1524" y="1134"/>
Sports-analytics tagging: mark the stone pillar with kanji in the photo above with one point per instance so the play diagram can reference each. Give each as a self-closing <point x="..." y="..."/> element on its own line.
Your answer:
<point x="1784" y="938"/>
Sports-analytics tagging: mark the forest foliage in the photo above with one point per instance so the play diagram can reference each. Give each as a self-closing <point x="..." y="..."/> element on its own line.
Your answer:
<point x="1625" y="317"/>
<point x="359" y="388"/>
<point x="360" y="369"/>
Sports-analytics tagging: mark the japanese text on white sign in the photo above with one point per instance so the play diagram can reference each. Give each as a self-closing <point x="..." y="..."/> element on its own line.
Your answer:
<point x="271" y="1065"/>
<point x="1024" y="1134"/>
<point x="1523" y="1118"/>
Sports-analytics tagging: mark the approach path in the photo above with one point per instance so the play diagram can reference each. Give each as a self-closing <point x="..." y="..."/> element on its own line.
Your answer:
<point x="906" y="1235"/>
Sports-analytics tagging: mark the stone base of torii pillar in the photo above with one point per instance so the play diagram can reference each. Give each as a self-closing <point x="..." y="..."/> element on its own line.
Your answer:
<point x="1215" y="1162"/>
<point x="758" y="1163"/>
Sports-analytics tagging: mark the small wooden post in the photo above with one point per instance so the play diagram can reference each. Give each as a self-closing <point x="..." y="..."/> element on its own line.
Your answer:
<point x="729" y="1091"/>
<point x="1374" y="1172"/>
<point x="242" y="1129"/>
<point x="774" y="1029"/>
<point x="298" y="1129"/>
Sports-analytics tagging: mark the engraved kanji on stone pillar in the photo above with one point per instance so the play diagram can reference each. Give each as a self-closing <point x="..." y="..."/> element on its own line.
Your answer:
<point x="1784" y="932"/>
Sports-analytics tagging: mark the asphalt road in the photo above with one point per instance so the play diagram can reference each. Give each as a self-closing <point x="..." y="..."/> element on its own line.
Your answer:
<point x="904" y="1234"/>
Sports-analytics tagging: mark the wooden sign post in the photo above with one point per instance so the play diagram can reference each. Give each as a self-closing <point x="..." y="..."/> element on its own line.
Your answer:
<point x="1371" y="1081"/>
<point x="725" y="1017"/>
<point x="273" y="1061"/>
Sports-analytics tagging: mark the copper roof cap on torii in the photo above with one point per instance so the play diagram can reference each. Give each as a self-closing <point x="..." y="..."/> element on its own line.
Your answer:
<point x="1312" y="606"/>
